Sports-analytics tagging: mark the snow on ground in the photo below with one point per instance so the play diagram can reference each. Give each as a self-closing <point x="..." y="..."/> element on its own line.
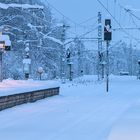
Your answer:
<point x="128" y="126"/>
<point x="82" y="111"/>
<point x="8" y="87"/>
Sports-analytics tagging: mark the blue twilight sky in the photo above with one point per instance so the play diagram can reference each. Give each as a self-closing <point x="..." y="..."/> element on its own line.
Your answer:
<point x="81" y="10"/>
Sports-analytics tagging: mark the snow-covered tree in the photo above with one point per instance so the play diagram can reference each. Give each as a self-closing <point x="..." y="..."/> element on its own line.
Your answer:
<point x="30" y="21"/>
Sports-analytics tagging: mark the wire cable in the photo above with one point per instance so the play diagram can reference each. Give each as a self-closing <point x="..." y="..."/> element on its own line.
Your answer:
<point x="87" y="20"/>
<point x="64" y="16"/>
<point x="118" y="22"/>
<point x="129" y="11"/>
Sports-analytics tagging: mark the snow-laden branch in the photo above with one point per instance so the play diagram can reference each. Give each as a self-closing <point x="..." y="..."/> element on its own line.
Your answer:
<point x="10" y="27"/>
<point x="9" y="18"/>
<point x="34" y="26"/>
<point x="24" y="6"/>
<point x="53" y="39"/>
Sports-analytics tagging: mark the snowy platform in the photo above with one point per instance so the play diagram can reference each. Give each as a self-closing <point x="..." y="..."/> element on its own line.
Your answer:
<point x="83" y="112"/>
<point x="13" y="93"/>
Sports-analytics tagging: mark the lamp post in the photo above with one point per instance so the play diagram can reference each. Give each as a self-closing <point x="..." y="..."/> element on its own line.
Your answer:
<point x="26" y="62"/>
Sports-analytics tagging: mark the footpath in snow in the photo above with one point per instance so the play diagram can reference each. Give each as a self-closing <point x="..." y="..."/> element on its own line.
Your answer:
<point x="82" y="111"/>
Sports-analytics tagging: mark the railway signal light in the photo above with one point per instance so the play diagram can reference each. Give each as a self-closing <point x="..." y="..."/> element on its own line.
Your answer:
<point x="107" y="30"/>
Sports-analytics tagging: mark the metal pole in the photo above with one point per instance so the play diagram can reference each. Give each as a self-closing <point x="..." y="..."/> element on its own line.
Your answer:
<point x="139" y="71"/>
<point x="100" y="55"/>
<point x="138" y="75"/>
<point x="107" y="67"/>
<point x="70" y="72"/>
<point x="79" y="60"/>
<point x="63" y="55"/>
<point x="102" y="71"/>
<point x="63" y="59"/>
<point x="1" y="73"/>
<point x="131" y="59"/>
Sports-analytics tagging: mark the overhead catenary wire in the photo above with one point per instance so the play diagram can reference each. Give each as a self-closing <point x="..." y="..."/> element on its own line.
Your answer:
<point x="80" y="36"/>
<point x="126" y="28"/>
<point x="123" y="30"/>
<point x="35" y="16"/>
<point x="87" y="20"/>
<point x="75" y="23"/>
<point x="129" y="11"/>
<point x="88" y="32"/>
<point x="60" y="12"/>
<point x="45" y="21"/>
<point x="132" y="16"/>
<point x="64" y="16"/>
<point x="114" y="8"/>
<point x="107" y="4"/>
<point x="134" y="22"/>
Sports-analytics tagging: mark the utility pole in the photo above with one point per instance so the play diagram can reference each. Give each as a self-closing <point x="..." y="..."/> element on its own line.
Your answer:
<point x="131" y="58"/>
<point x="69" y="63"/>
<point x="107" y="66"/>
<point x="62" y="55"/>
<point x="100" y="66"/>
<point x="1" y="72"/>
<point x="138" y="76"/>
<point x="107" y="38"/>
<point x="80" y="59"/>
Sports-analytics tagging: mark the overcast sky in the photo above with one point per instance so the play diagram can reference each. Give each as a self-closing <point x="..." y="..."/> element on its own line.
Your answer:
<point x="80" y="10"/>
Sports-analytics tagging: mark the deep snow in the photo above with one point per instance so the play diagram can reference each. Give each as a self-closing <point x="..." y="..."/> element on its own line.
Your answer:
<point x="82" y="111"/>
<point x="8" y="87"/>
